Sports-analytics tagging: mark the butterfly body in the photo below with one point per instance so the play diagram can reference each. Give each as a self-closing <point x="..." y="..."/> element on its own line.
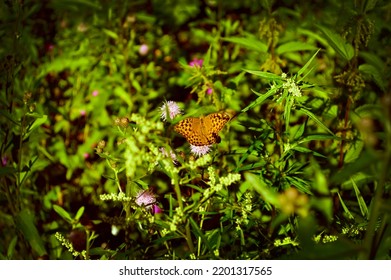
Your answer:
<point x="203" y="130"/>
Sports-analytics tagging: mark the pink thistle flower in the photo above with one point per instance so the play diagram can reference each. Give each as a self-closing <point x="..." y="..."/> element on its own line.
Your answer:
<point x="196" y="62"/>
<point x="83" y="112"/>
<point x="143" y="50"/>
<point x="95" y="93"/>
<point x="145" y="199"/>
<point x="209" y="91"/>
<point x="171" y="108"/>
<point x="200" y="150"/>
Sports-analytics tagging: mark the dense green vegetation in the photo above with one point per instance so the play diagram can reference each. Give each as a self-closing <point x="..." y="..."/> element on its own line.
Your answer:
<point x="92" y="168"/>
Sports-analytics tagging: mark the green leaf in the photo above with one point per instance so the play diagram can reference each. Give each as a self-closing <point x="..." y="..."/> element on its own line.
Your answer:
<point x="375" y="74"/>
<point x="360" y="200"/>
<point x="121" y="93"/>
<point x="315" y="119"/>
<point x="40" y="120"/>
<point x="343" y="48"/>
<point x="299" y="183"/>
<point x="207" y="56"/>
<point x="24" y="221"/>
<point x="318" y="137"/>
<point x="248" y="42"/>
<point x="79" y="213"/>
<point x="263" y="189"/>
<point x="306" y="150"/>
<point x="294" y="47"/>
<point x="300" y="131"/>
<point x="260" y="99"/>
<point x="198" y="233"/>
<point x="345" y="208"/>
<point x="354" y="151"/>
<point x="64" y="214"/>
<point x="302" y="70"/>
<point x="110" y="33"/>
<point x="263" y="74"/>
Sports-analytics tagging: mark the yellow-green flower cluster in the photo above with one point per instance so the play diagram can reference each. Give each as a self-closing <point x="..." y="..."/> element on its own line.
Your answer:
<point x="285" y="241"/>
<point x="217" y="184"/>
<point x="115" y="197"/>
<point x="325" y="238"/>
<point x="201" y="161"/>
<point x="177" y="219"/>
<point x="67" y="244"/>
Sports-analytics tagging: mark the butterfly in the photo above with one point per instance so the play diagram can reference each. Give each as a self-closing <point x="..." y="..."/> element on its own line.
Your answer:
<point x="202" y="131"/>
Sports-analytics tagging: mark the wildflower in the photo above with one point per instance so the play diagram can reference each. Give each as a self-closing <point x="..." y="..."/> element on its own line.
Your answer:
<point x="292" y="87"/>
<point x="209" y="91"/>
<point x="4" y="160"/>
<point x="143" y="50"/>
<point x="200" y="150"/>
<point x="95" y="93"/>
<point x="83" y="112"/>
<point x="172" y="155"/>
<point x="196" y="62"/>
<point x="156" y="209"/>
<point x="146" y="199"/>
<point x="171" y="108"/>
<point x="86" y="155"/>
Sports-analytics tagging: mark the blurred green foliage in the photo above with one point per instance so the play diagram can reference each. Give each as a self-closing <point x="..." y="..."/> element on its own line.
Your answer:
<point x="90" y="170"/>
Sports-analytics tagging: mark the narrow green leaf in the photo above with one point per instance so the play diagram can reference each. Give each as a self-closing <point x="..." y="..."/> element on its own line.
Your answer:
<point x="260" y="99"/>
<point x="299" y="183"/>
<point x="263" y="74"/>
<point x="317" y="137"/>
<point x="287" y="111"/>
<point x="207" y="57"/>
<point x="248" y="42"/>
<point x="300" y="131"/>
<point x="315" y="119"/>
<point x="294" y="46"/>
<point x="302" y="70"/>
<point x="24" y="221"/>
<point x="345" y="208"/>
<point x="79" y="213"/>
<point x="64" y="214"/>
<point x="360" y="200"/>
<point x="198" y="233"/>
<point x="343" y="48"/>
<point x="306" y="150"/>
